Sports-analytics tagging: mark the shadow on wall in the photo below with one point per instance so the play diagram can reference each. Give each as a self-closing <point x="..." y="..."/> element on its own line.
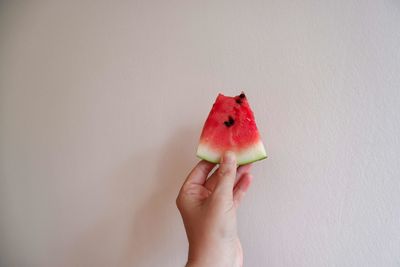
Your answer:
<point x="154" y="221"/>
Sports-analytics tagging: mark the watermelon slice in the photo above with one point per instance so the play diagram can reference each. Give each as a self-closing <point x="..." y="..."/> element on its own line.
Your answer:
<point x="231" y="126"/>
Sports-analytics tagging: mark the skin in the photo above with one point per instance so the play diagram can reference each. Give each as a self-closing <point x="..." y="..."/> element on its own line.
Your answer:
<point x="209" y="211"/>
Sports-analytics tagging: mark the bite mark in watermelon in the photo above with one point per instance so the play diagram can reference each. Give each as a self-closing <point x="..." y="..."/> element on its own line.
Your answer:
<point x="230" y="125"/>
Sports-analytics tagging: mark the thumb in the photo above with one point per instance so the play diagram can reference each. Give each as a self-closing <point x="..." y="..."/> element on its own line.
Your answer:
<point x="226" y="175"/>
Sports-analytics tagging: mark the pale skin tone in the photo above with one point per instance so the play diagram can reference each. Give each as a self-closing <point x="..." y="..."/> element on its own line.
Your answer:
<point x="208" y="205"/>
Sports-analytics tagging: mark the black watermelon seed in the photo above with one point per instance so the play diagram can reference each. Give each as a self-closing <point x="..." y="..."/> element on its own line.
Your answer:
<point x="242" y="95"/>
<point x="239" y="101"/>
<point x="231" y="120"/>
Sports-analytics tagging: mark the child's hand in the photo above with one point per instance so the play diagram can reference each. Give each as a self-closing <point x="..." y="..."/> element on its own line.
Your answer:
<point x="208" y="208"/>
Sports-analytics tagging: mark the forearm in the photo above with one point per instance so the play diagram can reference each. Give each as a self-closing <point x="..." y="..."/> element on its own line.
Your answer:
<point x="212" y="256"/>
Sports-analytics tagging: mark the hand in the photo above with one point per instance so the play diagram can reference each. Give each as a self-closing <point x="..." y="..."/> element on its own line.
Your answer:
<point x="208" y="208"/>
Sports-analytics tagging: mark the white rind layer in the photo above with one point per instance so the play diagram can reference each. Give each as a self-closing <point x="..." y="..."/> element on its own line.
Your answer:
<point x="252" y="153"/>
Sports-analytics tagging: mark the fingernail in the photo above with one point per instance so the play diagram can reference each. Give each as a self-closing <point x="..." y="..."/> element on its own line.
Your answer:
<point x="228" y="157"/>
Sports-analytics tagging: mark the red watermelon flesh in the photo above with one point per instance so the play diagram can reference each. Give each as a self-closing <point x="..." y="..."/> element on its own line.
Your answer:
<point x="231" y="126"/>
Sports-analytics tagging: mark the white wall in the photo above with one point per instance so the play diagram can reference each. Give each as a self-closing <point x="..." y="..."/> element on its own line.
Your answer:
<point x="102" y="106"/>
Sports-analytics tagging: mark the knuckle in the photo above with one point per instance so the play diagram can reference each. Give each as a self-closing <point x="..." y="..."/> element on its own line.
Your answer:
<point x="225" y="172"/>
<point x="178" y="201"/>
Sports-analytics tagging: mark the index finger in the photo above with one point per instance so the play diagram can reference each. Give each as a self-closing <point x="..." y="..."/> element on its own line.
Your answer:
<point x="211" y="182"/>
<point x="199" y="173"/>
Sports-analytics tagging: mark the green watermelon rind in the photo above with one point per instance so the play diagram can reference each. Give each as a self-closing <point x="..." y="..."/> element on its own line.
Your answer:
<point x="239" y="163"/>
<point x="252" y="154"/>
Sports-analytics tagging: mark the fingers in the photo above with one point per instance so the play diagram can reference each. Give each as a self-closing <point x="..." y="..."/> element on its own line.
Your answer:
<point x="241" y="170"/>
<point x="199" y="173"/>
<point x="212" y="181"/>
<point x="241" y="188"/>
<point x="225" y="175"/>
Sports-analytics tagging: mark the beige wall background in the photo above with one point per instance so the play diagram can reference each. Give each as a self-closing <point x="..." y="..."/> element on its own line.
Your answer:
<point x="101" y="107"/>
